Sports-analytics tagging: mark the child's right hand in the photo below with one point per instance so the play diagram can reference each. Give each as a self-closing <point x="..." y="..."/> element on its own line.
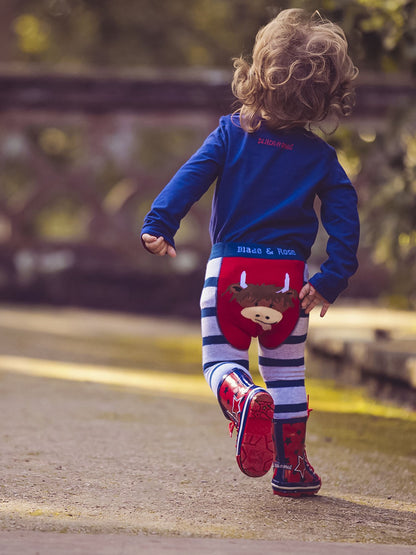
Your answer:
<point x="158" y="245"/>
<point x="310" y="298"/>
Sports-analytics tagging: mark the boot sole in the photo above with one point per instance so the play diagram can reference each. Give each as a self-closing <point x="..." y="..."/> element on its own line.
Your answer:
<point x="296" y="491"/>
<point x="254" y="447"/>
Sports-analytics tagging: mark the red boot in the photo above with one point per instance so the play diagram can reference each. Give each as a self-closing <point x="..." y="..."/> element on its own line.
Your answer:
<point x="250" y="409"/>
<point x="293" y="475"/>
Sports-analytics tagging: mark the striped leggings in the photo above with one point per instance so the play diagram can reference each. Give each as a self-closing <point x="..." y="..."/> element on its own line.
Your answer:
<point x="282" y="368"/>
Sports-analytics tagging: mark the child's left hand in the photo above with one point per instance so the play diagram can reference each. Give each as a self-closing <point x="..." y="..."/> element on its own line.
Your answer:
<point x="310" y="298"/>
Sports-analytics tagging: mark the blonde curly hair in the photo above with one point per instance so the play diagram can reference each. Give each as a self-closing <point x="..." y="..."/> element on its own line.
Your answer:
<point x="300" y="73"/>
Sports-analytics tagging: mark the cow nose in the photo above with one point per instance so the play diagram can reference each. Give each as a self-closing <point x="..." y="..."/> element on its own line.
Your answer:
<point x="262" y="314"/>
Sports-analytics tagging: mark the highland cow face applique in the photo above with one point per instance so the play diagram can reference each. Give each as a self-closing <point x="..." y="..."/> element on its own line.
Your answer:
<point x="263" y="304"/>
<point x="258" y="298"/>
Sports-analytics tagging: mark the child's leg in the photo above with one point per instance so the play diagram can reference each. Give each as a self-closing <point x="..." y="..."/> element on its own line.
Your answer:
<point x="283" y="370"/>
<point x="226" y="369"/>
<point x="219" y="358"/>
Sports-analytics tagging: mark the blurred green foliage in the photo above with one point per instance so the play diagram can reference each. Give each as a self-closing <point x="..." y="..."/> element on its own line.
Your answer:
<point x="61" y="219"/>
<point x="388" y="205"/>
<point x="160" y="148"/>
<point x="131" y="33"/>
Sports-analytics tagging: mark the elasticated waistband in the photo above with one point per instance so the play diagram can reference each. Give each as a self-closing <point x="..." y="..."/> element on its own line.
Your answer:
<point x="251" y="250"/>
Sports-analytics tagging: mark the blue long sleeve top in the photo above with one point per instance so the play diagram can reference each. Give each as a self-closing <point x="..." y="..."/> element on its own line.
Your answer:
<point x="266" y="184"/>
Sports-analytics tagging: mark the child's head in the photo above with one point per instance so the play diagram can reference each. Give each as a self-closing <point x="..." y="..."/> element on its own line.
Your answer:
<point x="301" y="73"/>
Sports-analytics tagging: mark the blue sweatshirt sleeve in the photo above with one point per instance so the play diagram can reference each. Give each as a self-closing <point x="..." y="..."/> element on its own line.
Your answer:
<point x="186" y="187"/>
<point x="339" y="217"/>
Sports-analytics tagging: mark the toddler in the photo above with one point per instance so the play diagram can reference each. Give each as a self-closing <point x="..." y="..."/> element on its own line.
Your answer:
<point x="269" y="167"/>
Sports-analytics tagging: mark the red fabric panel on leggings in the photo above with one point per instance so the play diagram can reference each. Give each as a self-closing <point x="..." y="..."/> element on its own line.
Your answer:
<point x="250" y="305"/>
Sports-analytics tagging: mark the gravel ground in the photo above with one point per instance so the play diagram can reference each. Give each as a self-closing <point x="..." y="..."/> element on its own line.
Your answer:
<point x="92" y="458"/>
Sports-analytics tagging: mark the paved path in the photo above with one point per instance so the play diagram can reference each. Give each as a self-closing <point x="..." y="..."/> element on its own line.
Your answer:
<point x="44" y="543"/>
<point x="106" y="451"/>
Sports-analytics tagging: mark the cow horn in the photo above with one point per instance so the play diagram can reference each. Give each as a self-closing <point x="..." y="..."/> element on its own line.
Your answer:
<point x="286" y="286"/>
<point x="243" y="283"/>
